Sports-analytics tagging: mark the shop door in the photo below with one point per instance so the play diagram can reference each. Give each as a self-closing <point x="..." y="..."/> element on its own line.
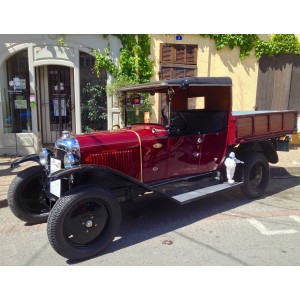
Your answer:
<point x="55" y="92"/>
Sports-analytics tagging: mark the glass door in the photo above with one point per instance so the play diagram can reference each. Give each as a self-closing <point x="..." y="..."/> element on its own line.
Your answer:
<point x="59" y="99"/>
<point x="55" y="86"/>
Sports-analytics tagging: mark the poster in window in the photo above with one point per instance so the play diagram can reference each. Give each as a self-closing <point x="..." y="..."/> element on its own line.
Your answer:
<point x="20" y="103"/>
<point x="18" y="84"/>
<point x="63" y="110"/>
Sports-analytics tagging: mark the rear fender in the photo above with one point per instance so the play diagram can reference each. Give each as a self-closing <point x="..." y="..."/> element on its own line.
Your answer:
<point x="264" y="146"/>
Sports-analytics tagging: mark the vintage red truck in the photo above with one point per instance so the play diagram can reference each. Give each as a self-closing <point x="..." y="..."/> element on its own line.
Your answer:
<point x="78" y="188"/>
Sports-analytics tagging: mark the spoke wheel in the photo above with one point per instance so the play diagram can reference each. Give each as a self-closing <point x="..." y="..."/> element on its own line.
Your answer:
<point x="26" y="198"/>
<point x="84" y="222"/>
<point x="256" y="175"/>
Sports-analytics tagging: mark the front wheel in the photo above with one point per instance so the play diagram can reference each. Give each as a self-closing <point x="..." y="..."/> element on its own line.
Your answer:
<point x="256" y="175"/>
<point x="26" y="198"/>
<point x="84" y="222"/>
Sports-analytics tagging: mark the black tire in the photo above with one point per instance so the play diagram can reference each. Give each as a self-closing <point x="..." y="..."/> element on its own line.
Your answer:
<point x="25" y="196"/>
<point x="256" y="175"/>
<point x="84" y="222"/>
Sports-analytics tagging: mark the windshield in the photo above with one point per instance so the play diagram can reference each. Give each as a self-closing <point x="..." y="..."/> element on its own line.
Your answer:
<point x="138" y="108"/>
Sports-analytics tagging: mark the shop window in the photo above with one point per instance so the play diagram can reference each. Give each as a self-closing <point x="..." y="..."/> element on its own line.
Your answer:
<point x="92" y="95"/>
<point x="16" y="105"/>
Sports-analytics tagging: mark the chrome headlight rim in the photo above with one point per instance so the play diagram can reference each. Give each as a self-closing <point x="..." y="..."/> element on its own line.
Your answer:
<point x="70" y="160"/>
<point x="44" y="156"/>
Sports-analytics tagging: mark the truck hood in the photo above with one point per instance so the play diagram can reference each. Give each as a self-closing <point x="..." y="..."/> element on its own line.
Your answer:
<point x="115" y="141"/>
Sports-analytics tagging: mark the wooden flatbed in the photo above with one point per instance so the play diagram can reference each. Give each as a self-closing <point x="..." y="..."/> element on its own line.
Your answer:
<point x="246" y="126"/>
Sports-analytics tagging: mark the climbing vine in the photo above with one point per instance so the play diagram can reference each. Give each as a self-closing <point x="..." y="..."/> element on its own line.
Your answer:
<point x="133" y="65"/>
<point x="246" y="42"/>
<point x="278" y="44"/>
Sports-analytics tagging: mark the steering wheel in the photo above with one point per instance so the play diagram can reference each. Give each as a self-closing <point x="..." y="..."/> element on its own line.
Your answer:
<point x="178" y="120"/>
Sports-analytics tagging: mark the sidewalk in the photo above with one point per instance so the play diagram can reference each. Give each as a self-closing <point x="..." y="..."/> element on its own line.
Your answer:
<point x="289" y="163"/>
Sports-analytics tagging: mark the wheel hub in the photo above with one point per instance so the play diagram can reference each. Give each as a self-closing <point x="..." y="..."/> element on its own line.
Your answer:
<point x="88" y="223"/>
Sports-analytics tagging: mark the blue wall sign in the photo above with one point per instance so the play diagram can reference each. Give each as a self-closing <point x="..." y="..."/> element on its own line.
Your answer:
<point x="178" y="37"/>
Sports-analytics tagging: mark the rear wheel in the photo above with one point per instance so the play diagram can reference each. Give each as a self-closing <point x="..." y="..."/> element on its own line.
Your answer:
<point x="26" y="198"/>
<point x="84" y="222"/>
<point x="256" y="175"/>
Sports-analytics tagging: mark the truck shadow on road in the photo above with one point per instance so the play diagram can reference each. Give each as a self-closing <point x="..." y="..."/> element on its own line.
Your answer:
<point x="152" y="216"/>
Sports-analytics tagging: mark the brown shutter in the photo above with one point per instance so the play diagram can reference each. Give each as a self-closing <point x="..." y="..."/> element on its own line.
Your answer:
<point x="166" y="73"/>
<point x="190" y="72"/>
<point x="179" y="54"/>
<point x="191" y="54"/>
<point x="166" y="53"/>
<point x="179" y="72"/>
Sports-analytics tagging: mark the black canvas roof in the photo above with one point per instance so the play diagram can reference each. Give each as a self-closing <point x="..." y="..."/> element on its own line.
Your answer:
<point x="165" y="84"/>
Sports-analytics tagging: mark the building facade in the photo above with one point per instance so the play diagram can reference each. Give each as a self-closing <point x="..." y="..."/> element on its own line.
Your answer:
<point x="43" y="86"/>
<point x="47" y="86"/>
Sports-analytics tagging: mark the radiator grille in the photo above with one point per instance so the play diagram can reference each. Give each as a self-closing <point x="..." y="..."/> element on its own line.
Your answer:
<point x="119" y="160"/>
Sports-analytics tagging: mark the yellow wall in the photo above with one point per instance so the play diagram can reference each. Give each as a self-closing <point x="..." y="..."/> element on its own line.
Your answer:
<point x="213" y="63"/>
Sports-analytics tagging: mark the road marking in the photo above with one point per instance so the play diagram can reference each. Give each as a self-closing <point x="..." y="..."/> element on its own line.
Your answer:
<point x="295" y="218"/>
<point x="265" y="231"/>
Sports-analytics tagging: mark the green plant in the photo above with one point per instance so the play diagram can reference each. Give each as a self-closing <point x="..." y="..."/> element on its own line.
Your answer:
<point x="134" y="65"/>
<point x="61" y="41"/>
<point x="93" y="108"/>
<point x="278" y="44"/>
<point x="246" y="42"/>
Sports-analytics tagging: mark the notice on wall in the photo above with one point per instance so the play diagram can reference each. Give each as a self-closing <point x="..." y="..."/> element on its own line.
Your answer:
<point x="63" y="110"/>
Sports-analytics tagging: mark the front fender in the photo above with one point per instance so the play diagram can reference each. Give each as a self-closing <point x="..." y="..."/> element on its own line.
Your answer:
<point x="98" y="175"/>
<point x="32" y="157"/>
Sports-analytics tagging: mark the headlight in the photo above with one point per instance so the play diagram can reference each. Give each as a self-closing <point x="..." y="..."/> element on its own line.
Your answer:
<point x="44" y="156"/>
<point x="69" y="160"/>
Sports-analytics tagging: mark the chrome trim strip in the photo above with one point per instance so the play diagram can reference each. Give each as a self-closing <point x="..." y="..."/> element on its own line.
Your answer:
<point x="141" y="156"/>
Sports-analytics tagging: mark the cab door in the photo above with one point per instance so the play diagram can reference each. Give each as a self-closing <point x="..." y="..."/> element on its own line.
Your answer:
<point x="185" y="152"/>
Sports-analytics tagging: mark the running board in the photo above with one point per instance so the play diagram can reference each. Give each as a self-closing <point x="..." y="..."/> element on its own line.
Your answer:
<point x="204" y="192"/>
<point x="186" y="191"/>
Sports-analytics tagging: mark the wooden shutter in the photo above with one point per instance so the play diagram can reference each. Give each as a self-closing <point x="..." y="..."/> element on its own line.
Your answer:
<point x="190" y="72"/>
<point x="166" y="54"/>
<point x="178" y="54"/>
<point x="166" y="73"/>
<point x="179" y="72"/>
<point x="191" y="54"/>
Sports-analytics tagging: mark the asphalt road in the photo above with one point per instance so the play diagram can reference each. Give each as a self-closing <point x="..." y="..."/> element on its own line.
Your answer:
<point x="222" y="230"/>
